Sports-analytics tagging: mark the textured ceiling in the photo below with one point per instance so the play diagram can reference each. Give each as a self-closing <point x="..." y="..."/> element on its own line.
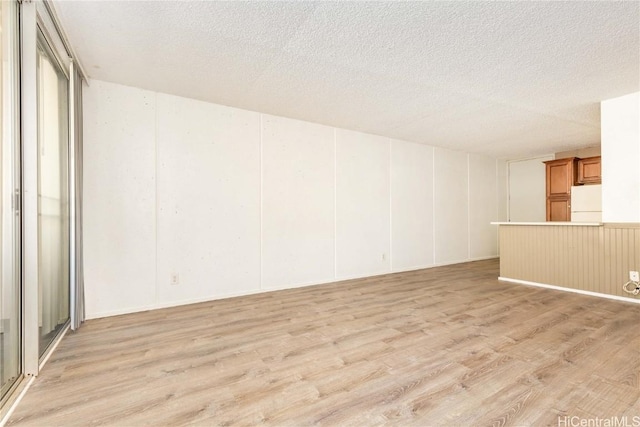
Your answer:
<point x="509" y="79"/>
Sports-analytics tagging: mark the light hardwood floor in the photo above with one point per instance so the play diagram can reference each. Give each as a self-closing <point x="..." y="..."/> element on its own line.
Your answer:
<point x="443" y="346"/>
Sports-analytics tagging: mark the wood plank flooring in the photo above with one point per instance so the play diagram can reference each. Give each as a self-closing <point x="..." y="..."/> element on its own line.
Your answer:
<point x="444" y="346"/>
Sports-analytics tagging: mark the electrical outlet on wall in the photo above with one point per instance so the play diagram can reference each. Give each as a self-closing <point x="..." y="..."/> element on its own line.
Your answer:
<point x="175" y="279"/>
<point x="634" y="276"/>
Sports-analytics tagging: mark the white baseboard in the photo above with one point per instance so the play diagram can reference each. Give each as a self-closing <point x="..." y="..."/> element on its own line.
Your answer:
<point x="129" y="310"/>
<point x="575" y="291"/>
<point x="442" y="264"/>
<point x="483" y="258"/>
<point x="138" y="309"/>
<point x="119" y="312"/>
<point x="413" y="268"/>
<point x="177" y="303"/>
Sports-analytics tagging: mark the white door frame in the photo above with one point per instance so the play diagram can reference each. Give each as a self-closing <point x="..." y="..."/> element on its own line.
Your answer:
<point x="35" y="17"/>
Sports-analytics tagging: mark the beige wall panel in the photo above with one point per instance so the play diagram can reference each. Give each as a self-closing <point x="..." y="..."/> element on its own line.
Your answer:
<point x="596" y="259"/>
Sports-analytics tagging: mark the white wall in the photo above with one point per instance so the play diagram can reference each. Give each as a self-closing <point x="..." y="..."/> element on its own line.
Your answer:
<point x="620" y="129"/>
<point x="483" y="182"/>
<point x="208" y="199"/>
<point x="503" y="190"/>
<point x="119" y="206"/>
<point x="412" y="231"/>
<point x="527" y="196"/>
<point x="297" y="202"/>
<point x="451" y="206"/>
<point x="236" y="202"/>
<point x="362" y="204"/>
<point x="502" y="193"/>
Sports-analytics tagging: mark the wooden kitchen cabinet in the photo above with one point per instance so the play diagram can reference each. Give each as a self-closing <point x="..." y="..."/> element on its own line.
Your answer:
<point x="558" y="209"/>
<point x="561" y="175"/>
<point x="589" y="170"/>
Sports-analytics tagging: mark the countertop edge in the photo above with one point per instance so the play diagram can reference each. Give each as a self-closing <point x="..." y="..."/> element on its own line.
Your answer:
<point x="551" y="223"/>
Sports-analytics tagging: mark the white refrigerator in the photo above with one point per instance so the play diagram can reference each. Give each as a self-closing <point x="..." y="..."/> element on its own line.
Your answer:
<point x="586" y="203"/>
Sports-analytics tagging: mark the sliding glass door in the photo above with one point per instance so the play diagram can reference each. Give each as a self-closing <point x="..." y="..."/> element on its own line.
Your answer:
<point x="37" y="182"/>
<point x="10" y="289"/>
<point x="53" y="195"/>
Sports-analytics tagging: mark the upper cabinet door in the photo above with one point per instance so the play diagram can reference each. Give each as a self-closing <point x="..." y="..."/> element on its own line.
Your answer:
<point x="589" y="170"/>
<point x="561" y="175"/>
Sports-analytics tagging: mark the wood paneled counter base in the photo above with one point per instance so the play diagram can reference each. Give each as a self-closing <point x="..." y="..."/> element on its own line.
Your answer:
<point x="443" y="346"/>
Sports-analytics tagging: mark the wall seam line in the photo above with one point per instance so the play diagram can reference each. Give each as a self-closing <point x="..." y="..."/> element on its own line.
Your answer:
<point x="433" y="200"/>
<point x="335" y="203"/>
<point x="155" y="166"/>
<point x="260" y="278"/>
<point x="497" y="206"/>
<point x="390" y="213"/>
<point x="508" y="188"/>
<point x="468" y="206"/>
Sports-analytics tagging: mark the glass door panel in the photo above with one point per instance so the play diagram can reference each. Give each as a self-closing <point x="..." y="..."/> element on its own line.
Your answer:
<point x="53" y="197"/>
<point x="10" y="320"/>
